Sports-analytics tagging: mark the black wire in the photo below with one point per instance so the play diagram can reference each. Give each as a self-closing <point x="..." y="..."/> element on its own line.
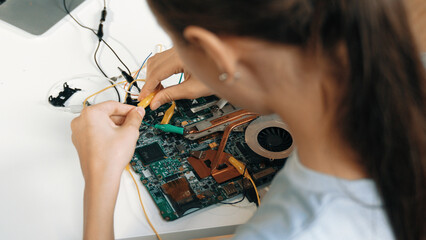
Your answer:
<point x="118" y="94"/>
<point x="96" y="60"/>
<point x="119" y="59"/>
<point x="232" y="203"/>
<point x="94" y="32"/>
<point x="81" y="25"/>
<point x="97" y="64"/>
<point x="97" y="48"/>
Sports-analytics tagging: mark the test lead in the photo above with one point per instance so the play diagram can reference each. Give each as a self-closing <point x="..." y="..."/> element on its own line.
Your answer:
<point x="169" y="114"/>
<point x="130" y="80"/>
<point x="146" y="101"/>
<point x="169" y="128"/>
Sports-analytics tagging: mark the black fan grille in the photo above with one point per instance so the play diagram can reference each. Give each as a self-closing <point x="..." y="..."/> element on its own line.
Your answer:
<point x="275" y="139"/>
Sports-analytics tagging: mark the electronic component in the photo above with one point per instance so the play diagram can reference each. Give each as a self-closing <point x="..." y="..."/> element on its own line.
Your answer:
<point x="263" y="176"/>
<point x="230" y="189"/>
<point x="150" y="153"/>
<point x="165" y="168"/>
<point x="63" y="96"/>
<point x="218" y="122"/>
<point x="181" y="195"/>
<point x="246" y="151"/>
<point x="268" y="136"/>
<point x="213" y="145"/>
<point x="216" y="162"/>
<point x="198" y="154"/>
<point x="171" y="177"/>
<point x="241" y="169"/>
<point x="180" y="148"/>
<point x="202" y="107"/>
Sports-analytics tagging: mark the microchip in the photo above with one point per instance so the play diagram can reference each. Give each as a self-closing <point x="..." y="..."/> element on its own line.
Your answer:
<point x="180" y="148"/>
<point x="158" y="194"/>
<point x="171" y="177"/>
<point x="150" y="153"/>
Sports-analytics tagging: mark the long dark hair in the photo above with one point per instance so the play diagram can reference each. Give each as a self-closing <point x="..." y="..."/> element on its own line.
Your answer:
<point x="382" y="112"/>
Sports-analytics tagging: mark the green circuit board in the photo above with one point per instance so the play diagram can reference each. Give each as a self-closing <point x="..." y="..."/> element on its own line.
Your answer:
<point x="161" y="160"/>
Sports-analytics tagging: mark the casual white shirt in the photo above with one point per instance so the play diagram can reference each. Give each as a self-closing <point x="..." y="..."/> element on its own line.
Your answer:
<point x="303" y="204"/>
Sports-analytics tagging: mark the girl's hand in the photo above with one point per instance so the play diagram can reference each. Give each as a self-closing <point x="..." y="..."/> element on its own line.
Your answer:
<point x="105" y="137"/>
<point x="162" y="66"/>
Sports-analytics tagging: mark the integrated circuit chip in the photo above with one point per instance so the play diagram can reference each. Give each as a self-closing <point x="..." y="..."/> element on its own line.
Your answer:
<point x="180" y="148"/>
<point x="150" y="153"/>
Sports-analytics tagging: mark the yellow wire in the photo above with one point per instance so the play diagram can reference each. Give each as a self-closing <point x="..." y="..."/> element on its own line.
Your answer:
<point x="96" y="93"/>
<point x="147" y="100"/>
<point x="131" y="84"/>
<point x="240" y="168"/>
<point x="169" y="114"/>
<point x="255" y="189"/>
<point x="140" y="200"/>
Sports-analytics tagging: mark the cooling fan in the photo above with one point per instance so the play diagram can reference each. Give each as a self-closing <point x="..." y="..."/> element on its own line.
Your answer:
<point x="268" y="136"/>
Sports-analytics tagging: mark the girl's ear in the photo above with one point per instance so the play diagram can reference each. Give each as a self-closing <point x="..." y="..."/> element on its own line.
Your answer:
<point x="214" y="47"/>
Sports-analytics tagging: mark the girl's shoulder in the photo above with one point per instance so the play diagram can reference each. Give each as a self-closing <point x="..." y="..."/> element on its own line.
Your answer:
<point x="304" y="204"/>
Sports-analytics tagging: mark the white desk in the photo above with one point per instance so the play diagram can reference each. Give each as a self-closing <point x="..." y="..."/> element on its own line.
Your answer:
<point x="40" y="179"/>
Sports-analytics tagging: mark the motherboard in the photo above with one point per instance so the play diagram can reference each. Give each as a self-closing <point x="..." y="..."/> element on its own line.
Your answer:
<point x="187" y="172"/>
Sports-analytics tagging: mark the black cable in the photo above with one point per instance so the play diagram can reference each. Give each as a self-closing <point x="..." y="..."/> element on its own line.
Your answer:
<point x="119" y="59"/>
<point x="232" y="203"/>
<point x="99" y="43"/>
<point x="96" y="60"/>
<point x="81" y="25"/>
<point x="94" y="32"/>
<point x="97" y="64"/>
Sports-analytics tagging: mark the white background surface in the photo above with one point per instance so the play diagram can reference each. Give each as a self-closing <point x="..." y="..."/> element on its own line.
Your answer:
<point x="40" y="179"/>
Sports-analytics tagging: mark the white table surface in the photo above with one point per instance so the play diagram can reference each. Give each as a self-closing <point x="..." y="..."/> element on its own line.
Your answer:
<point x="41" y="185"/>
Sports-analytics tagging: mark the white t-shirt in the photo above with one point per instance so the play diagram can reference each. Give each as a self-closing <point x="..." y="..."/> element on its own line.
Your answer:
<point x="303" y="204"/>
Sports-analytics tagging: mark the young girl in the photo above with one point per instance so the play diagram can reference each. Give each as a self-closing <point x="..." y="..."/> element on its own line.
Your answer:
<point x="345" y="76"/>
